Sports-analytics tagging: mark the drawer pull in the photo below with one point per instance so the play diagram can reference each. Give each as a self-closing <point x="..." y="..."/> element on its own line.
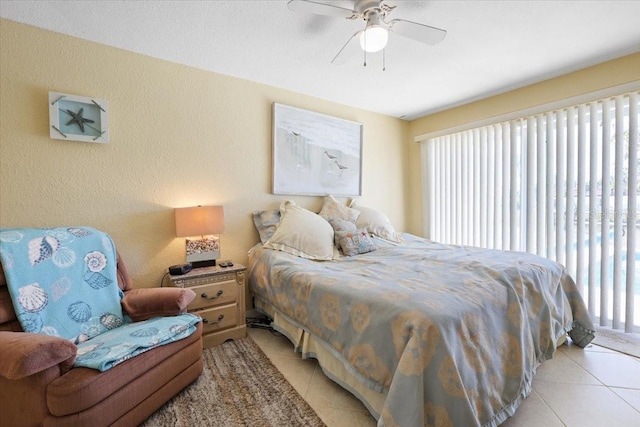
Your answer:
<point x="209" y="322"/>
<point x="216" y="296"/>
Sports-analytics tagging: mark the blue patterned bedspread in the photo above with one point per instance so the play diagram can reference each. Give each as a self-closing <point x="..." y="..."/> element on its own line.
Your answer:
<point x="452" y="335"/>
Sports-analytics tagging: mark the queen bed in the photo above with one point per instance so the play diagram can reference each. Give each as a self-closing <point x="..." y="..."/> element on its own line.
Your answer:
<point x="421" y="332"/>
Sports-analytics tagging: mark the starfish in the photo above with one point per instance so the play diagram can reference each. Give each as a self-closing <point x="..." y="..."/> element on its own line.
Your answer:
<point x="77" y="118"/>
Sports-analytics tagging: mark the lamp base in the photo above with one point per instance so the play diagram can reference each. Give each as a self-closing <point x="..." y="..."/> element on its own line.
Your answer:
<point x="203" y="252"/>
<point x="205" y="263"/>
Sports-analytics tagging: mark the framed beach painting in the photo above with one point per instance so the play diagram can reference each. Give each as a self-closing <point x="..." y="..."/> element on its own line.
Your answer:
<point x="315" y="154"/>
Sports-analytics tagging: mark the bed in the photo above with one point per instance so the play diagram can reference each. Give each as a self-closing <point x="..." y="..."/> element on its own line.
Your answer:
<point x="421" y="332"/>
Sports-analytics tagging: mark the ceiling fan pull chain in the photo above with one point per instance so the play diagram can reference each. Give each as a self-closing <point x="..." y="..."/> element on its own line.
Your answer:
<point x="384" y="62"/>
<point x="365" y="49"/>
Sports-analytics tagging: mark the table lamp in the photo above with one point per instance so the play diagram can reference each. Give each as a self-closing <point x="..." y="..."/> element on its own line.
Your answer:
<point x="201" y="225"/>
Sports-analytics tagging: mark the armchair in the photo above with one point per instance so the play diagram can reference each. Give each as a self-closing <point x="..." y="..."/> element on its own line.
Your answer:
<point x="40" y="386"/>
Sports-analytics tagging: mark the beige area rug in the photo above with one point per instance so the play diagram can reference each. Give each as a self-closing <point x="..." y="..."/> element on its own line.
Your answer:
<point x="618" y="341"/>
<point x="238" y="387"/>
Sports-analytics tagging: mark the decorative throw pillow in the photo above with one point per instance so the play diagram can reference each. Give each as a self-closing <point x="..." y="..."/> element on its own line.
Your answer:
<point x="302" y="233"/>
<point x="332" y="209"/>
<point x="342" y="225"/>
<point x="266" y="223"/>
<point x="355" y="242"/>
<point x="376" y="223"/>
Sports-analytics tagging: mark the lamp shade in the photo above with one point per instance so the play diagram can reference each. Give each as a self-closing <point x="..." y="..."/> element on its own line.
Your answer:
<point x="199" y="221"/>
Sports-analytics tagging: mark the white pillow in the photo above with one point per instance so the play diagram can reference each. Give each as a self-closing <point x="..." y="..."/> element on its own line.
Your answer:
<point x="332" y="209"/>
<point x="376" y="223"/>
<point x="302" y="233"/>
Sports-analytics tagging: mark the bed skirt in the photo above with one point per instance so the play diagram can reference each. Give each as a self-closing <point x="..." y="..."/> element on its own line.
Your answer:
<point x="333" y="366"/>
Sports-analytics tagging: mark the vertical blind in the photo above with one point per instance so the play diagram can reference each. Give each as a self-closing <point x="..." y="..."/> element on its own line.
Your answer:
<point x="562" y="184"/>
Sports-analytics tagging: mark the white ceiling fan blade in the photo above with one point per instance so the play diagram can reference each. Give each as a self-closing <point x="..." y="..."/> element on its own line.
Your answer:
<point x="420" y="32"/>
<point x="349" y="50"/>
<point x="319" y="8"/>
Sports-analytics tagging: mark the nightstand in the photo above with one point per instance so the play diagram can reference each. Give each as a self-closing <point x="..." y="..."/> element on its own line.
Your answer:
<point x="220" y="301"/>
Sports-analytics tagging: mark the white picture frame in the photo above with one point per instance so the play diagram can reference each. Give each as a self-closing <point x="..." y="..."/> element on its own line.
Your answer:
<point x="78" y="118"/>
<point x="315" y="154"/>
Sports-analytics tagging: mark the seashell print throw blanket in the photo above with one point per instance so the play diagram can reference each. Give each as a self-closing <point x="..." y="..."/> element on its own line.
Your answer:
<point x="63" y="282"/>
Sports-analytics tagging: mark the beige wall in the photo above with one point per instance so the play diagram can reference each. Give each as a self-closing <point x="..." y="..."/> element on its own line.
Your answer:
<point x="179" y="136"/>
<point x="602" y="76"/>
<point x="182" y="136"/>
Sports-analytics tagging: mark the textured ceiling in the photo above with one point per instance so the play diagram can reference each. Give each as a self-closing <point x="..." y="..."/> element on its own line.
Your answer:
<point x="491" y="46"/>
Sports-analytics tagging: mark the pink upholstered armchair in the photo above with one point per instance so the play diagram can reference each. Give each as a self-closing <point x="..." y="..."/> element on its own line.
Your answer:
<point x="40" y="386"/>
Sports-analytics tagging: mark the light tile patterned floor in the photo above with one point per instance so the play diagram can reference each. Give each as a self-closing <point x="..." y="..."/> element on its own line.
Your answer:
<point x="590" y="387"/>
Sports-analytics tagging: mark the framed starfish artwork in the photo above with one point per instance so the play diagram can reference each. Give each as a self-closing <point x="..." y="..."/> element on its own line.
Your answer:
<point x="78" y="118"/>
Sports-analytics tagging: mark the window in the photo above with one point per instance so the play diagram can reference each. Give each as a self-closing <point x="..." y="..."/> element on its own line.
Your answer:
<point x="561" y="183"/>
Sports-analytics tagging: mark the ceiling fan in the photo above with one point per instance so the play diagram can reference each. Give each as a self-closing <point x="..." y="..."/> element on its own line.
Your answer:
<point x="375" y="35"/>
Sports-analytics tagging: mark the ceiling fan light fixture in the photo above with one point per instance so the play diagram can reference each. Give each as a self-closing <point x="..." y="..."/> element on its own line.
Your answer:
<point x="374" y="38"/>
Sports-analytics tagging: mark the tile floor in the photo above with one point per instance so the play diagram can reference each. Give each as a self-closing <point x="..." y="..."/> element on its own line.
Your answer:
<point x="590" y="387"/>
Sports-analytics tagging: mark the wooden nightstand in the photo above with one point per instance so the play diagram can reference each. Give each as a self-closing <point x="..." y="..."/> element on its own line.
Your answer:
<point x="220" y="301"/>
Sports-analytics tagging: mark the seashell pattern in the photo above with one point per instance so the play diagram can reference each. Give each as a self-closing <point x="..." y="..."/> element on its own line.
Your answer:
<point x="64" y="304"/>
<point x="92" y="327"/>
<point x="123" y="343"/>
<point x="8" y="259"/>
<point x="31" y="322"/>
<point x="81" y="338"/>
<point x="59" y="288"/>
<point x="79" y="311"/>
<point x="32" y="298"/>
<point x="94" y="354"/>
<point x="64" y="257"/>
<point x="121" y="348"/>
<point x="178" y="329"/>
<point x="146" y="332"/>
<point x="61" y="235"/>
<point x="50" y="330"/>
<point x="79" y="232"/>
<point x="107" y="244"/>
<point x="42" y="248"/>
<point x="84" y="349"/>
<point x="96" y="261"/>
<point x="11" y="236"/>
<point x="110" y="321"/>
<point x="97" y="280"/>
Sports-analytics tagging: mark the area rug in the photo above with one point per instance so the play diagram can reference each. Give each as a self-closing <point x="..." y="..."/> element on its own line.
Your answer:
<point x="626" y="343"/>
<point x="238" y="387"/>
